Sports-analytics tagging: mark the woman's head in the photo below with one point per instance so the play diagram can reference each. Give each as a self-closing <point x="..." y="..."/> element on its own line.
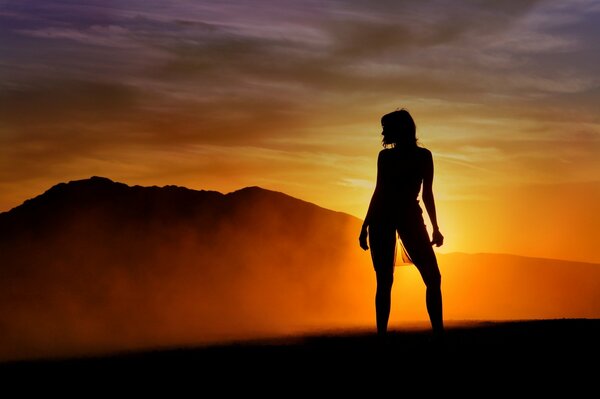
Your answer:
<point x="399" y="129"/>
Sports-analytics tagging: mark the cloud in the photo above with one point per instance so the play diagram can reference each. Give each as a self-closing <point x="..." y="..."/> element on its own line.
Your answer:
<point x="286" y="50"/>
<point x="113" y="85"/>
<point x="110" y="35"/>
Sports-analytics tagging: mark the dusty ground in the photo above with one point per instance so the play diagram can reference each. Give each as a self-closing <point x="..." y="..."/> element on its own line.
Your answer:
<point x="533" y="357"/>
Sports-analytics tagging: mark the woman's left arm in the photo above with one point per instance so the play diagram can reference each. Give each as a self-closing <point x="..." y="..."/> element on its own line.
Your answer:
<point x="437" y="238"/>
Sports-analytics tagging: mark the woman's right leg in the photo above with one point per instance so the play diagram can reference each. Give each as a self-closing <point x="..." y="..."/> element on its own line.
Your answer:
<point x="382" y="240"/>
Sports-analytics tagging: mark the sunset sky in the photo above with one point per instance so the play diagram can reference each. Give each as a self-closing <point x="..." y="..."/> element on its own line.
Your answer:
<point x="287" y="95"/>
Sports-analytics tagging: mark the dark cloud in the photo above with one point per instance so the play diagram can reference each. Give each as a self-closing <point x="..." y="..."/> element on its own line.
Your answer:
<point x="52" y="123"/>
<point x="59" y="122"/>
<point x="280" y="50"/>
<point x="45" y="103"/>
<point x="208" y="47"/>
<point x="386" y="28"/>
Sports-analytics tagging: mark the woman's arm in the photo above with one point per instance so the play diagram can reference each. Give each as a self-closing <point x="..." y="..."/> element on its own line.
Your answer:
<point x="372" y="205"/>
<point x="437" y="238"/>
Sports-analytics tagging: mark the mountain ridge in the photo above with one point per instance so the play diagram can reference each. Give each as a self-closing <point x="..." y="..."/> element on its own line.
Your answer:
<point x="99" y="182"/>
<point x="168" y="203"/>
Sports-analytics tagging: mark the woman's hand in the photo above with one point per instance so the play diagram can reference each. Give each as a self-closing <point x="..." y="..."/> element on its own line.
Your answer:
<point x="437" y="238"/>
<point x="362" y="239"/>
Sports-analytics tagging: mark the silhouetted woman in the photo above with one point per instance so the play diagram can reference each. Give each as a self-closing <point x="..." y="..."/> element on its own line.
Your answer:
<point x="402" y="168"/>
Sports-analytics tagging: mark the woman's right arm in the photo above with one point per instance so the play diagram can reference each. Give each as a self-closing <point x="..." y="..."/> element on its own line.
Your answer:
<point x="372" y="205"/>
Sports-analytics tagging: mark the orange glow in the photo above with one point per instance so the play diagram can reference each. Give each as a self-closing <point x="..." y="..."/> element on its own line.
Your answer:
<point x="289" y="98"/>
<point x="185" y="292"/>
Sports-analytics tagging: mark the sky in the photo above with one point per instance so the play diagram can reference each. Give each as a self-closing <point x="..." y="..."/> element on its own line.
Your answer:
<point x="288" y="95"/>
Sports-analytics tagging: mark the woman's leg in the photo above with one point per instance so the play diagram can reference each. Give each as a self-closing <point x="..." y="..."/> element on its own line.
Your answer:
<point x="433" y="298"/>
<point x="382" y="240"/>
<point x="417" y="244"/>
<point x="383" y="299"/>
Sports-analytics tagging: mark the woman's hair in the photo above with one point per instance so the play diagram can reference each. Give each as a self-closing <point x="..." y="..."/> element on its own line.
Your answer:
<point x="399" y="129"/>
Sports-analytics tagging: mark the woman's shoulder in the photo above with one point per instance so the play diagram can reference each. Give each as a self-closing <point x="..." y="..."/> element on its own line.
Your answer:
<point x="385" y="153"/>
<point x="424" y="152"/>
<point x="419" y="152"/>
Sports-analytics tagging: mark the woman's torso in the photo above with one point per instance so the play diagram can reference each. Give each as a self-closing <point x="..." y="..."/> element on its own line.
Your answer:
<point x="401" y="173"/>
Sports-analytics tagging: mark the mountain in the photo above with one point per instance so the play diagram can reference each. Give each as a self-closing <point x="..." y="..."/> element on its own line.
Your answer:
<point x="94" y="265"/>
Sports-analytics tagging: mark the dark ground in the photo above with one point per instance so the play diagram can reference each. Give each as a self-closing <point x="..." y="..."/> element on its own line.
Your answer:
<point x="552" y="356"/>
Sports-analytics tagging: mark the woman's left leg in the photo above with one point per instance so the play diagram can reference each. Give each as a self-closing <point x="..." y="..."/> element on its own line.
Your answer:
<point x="383" y="299"/>
<point x="417" y="244"/>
